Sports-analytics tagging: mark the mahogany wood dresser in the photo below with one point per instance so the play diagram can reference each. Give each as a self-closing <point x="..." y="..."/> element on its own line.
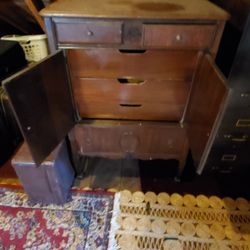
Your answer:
<point x="134" y="77"/>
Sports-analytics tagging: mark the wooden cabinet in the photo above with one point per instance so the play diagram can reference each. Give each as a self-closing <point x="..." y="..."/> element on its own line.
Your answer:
<point x="142" y="79"/>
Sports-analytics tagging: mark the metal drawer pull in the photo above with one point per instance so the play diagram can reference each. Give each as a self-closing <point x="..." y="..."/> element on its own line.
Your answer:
<point x="178" y="37"/>
<point x="128" y="80"/>
<point x="130" y="105"/>
<point x="237" y="138"/>
<point x="243" y="123"/>
<point x="243" y="139"/>
<point x="228" y="157"/>
<point x="90" y="33"/>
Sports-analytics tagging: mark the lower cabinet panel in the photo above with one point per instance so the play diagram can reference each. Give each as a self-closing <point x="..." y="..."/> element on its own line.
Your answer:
<point x="143" y="140"/>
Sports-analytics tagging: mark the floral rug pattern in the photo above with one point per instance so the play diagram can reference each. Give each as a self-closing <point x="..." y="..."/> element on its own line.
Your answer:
<point x="83" y="223"/>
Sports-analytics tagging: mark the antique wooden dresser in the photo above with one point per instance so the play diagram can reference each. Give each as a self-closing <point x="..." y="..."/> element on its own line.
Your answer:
<point x="132" y="78"/>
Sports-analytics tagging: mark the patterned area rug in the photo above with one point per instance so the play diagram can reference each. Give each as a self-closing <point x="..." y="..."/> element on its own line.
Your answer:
<point x="149" y="221"/>
<point x="83" y="223"/>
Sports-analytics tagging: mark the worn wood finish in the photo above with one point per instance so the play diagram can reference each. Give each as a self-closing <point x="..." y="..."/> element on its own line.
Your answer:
<point x="101" y="32"/>
<point x="113" y="63"/>
<point x="203" y="111"/>
<point x="137" y="9"/>
<point x="42" y="103"/>
<point x="142" y="140"/>
<point x="157" y="42"/>
<point x="179" y="36"/>
<point x="151" y="99"/>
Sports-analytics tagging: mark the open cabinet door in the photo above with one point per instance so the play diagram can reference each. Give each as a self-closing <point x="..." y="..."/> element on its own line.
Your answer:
<point x="207" y="103"/>
<point x="41" y="100"/>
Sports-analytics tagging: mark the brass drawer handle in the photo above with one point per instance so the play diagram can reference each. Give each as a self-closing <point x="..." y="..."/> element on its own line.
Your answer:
<point x="130" y="105"/>
<point x="132" y="81"/>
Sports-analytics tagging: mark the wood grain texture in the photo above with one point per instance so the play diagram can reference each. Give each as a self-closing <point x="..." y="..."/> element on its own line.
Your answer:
<point x="142" y="140"/>
<point x="153" y="99"/>
<point x="42" y="103"/>
<point x="178" y="36"/>
<point x="159" y="9"/>
<point x="111" y="63"/>
<point x="203" y="110"/>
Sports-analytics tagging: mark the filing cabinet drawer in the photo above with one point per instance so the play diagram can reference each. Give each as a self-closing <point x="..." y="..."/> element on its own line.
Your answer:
<point x="130" y="98"/>
<point x="179" y="36"/>
<point x="90" y="32"/>
<point x="228" y="158"/>
<point x="113" y="63"/>
<point x="142" y="140"/>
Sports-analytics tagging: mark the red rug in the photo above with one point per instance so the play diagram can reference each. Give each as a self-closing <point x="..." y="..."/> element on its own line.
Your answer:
<point x="83" y="223"/>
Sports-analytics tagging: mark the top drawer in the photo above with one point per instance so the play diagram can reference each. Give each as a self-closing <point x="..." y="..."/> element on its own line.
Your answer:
<point x="77" y="31"/>
<point x="178" y="35"/>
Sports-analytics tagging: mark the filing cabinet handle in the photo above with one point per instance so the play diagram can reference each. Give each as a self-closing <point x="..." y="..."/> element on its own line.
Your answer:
<point x="129" y="80"/>
<point x="239" y="139"/>
<point x="236" y="138"/>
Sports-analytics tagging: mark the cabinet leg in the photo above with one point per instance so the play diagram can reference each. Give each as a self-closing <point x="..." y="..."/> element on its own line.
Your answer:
<point x="81" y="167"/>
<point x="182" y="161"/>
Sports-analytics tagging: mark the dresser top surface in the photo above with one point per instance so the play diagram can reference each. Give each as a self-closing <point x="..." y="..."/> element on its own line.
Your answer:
<point x="137" y="9"/>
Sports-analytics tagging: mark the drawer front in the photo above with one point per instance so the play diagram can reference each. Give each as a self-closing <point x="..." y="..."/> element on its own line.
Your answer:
<point x="89" y="32"/>
<point x="179" y="36"/>
<point x="113" y="63"/>
<point x="229" y="158"/>
<point x="141" y="140"/>
<point x="128" y="98"/>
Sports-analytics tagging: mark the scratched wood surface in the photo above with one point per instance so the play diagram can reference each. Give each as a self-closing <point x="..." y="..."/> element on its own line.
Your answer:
<point x="158" y="9"/>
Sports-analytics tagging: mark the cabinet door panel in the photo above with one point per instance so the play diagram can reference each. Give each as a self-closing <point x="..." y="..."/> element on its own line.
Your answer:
<point x="41" y="99"/>
<point x="207" y="102"/>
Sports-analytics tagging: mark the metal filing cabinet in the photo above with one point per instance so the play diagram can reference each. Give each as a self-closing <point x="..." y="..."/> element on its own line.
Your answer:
<point x="231" y="148"/>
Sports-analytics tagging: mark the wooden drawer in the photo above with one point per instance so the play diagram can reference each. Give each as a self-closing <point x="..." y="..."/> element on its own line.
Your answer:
<point x="126" y="98"/>
<point x="90" y="32"/>
<point x="179" y="36"/>
<point x="113" y="63"/>
<point x="141" y="140"/>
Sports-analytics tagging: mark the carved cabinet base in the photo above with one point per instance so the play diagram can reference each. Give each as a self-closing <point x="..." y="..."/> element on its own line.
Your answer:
<point x="141" y="140"/>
